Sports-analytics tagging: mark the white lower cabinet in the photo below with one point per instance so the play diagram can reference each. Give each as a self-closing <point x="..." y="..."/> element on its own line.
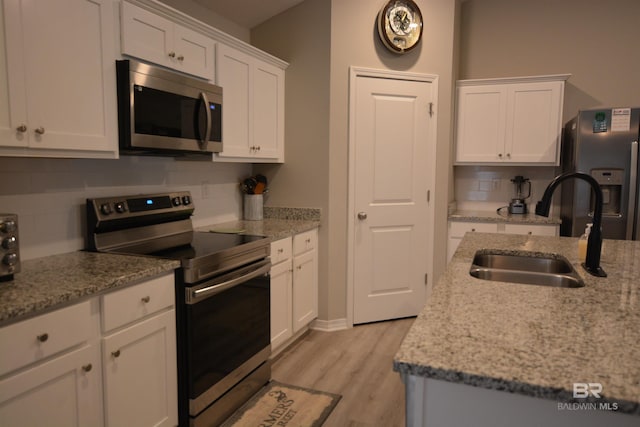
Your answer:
<point x="53" y="370"/>
<point x="63" y="371"/>
<point x="294" y="286"/>
<point x="139" y="355"/>
<point x="457" y="229"/>
<point x="281" y="292"/>
<point x="139" y="373"/>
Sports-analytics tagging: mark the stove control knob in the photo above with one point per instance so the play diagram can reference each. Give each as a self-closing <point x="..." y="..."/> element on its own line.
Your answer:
<point x="120" y="207"/>
<point x="8" y="227"/>
<point x="10" y="242"/>
<point x="186" y="200"/>
<point x="105" y="208"/>
<point x="176" y="201"/>
<point x="10" y="259"/>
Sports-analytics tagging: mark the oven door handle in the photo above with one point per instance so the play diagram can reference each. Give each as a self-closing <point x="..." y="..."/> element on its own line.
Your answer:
<point x="194" y="296"/>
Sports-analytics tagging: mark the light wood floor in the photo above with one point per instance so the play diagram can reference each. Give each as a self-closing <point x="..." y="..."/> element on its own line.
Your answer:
<point x="356" y="363"/>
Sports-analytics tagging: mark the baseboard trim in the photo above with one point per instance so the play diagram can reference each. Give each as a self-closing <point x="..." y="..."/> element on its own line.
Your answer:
<point x="329" y="325"/>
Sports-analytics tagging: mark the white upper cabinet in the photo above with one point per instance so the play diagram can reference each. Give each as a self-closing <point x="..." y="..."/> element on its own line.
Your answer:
<point x="151" y="37"/>
<point x="511" y="120"/>
<point x="253" y="110"/>
<point x="58" y="79"/>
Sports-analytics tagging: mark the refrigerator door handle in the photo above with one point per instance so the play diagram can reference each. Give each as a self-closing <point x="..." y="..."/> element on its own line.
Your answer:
<point x="633" y="184"/>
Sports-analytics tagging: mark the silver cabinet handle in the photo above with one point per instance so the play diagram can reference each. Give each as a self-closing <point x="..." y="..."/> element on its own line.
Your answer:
<point x="500" y="155"/>
<point x="171" y="54"/>
<point x="508" y="155"/>
<point x="115" y="353"/>
<point x="22" y="128"/>
<point x="87" y="368"/>
<point x="146" y="299"/>
<point x="40" y="130"/>
<point x="362" y="215"/>
<point x="43" y="337"/>
<point x="180" y="58"/>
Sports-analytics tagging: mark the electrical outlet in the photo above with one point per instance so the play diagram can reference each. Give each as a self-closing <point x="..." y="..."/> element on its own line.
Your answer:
<point x="205" y="189"/>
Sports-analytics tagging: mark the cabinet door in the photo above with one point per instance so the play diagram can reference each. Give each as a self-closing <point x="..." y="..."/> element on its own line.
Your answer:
<point x="534" y="123"/>
<point x="65" y="391"/>
<point x="194" y="53"/>
<point x="60" y="58"/>
<point x="140" y="373"/>
<point x="305" y="289"/>
<point x="281" y="301"/>
<point x="480" y="123"/>
<point x="6" y="131"/>
<point x="146" y="35"/>
<point x="268" y="111"/>
<point x="234" y="74"/>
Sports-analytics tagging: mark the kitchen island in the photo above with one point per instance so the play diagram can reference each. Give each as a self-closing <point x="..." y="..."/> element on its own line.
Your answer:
<point x="487" y="353"/>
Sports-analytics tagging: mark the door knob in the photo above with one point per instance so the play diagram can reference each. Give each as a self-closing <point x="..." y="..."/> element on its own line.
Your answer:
<point x="362" y="215"/>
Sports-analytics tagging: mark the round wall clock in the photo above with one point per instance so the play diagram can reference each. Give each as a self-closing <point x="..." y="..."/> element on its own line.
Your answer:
<point x="400" y="25"/>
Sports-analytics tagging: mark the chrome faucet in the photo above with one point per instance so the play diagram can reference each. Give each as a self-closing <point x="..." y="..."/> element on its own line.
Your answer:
<point x="594" y="244"/>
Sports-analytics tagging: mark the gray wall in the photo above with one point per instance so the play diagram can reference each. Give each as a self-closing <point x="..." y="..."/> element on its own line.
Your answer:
<point x="302" y="36"/>
<point x="595" y="41"/>
<point x="353" y="42"/>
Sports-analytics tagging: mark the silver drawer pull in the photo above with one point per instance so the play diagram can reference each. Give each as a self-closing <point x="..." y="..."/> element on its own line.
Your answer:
<point x="40" y="130"/>
<point x="115" y="353"/>
<point x="43" y="337"/>
<point x="87" y="368"/>
<point x="22" y="128"/>
<point x="146" y="299"/>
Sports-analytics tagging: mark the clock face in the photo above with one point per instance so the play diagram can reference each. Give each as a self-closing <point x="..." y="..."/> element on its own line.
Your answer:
<point x="400" y="25"/>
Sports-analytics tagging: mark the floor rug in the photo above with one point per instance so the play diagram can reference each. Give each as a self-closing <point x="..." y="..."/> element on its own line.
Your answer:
<point x="280" y="404"/>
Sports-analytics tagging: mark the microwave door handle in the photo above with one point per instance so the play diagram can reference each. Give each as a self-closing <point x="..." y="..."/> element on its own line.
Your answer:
<point x="633" y="184"/>
<point x="207" y="132"/>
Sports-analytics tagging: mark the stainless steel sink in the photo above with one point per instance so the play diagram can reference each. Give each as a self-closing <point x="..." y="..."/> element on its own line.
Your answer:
<point x="532" y="268"/>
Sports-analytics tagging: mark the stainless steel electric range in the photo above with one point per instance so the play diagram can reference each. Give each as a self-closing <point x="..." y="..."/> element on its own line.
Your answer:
<point x="222" y="297"/>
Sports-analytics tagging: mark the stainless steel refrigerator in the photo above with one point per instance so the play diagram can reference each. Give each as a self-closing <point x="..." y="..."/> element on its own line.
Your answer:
<point x="603" y="143"/>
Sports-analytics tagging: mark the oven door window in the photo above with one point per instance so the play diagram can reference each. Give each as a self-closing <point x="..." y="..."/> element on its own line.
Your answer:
<point x="226" y="330"/>
<point x="161" y="113"/>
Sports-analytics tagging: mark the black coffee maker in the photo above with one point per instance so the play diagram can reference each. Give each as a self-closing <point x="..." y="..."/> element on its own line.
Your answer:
<point x="517" y="205"/>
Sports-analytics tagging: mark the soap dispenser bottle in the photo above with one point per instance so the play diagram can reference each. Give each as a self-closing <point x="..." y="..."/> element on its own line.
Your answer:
<point x="582" y="243"/>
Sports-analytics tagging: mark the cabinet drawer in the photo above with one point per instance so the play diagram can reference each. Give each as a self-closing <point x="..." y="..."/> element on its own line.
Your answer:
<point x="457" y="229"/>
<point x="280" y="250"/>
<point x="305" y="241"/>
<point x="133" y="303"/>
<point x="536" y="230"/>
<point x="35" y="339"/>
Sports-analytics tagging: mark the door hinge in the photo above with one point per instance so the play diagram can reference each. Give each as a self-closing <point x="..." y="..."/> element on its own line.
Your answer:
<point x="428" y="196"/>
<point x="426" y="278"/>
<point x="431" y="109"/>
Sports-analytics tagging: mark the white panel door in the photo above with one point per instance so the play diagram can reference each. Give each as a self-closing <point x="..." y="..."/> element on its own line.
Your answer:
<point x="392" y="180"/>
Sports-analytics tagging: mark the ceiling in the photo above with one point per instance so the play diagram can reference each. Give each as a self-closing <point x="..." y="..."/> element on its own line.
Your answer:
<point x="248" y="13"/>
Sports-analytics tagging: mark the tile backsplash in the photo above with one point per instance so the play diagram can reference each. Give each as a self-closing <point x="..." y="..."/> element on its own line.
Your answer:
<point x="490" y="187"/>
<point x="49" y="194"/>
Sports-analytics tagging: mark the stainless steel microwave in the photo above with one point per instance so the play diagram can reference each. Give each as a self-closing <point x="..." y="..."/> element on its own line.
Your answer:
<point x="166" y="113"/>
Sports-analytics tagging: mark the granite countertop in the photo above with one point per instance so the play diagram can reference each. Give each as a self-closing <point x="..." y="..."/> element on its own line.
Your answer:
<point x="503" y="216"/>
<point x="55" y="281"/>
<point x="528" y="339"/>
<point x="277" y="224"/>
